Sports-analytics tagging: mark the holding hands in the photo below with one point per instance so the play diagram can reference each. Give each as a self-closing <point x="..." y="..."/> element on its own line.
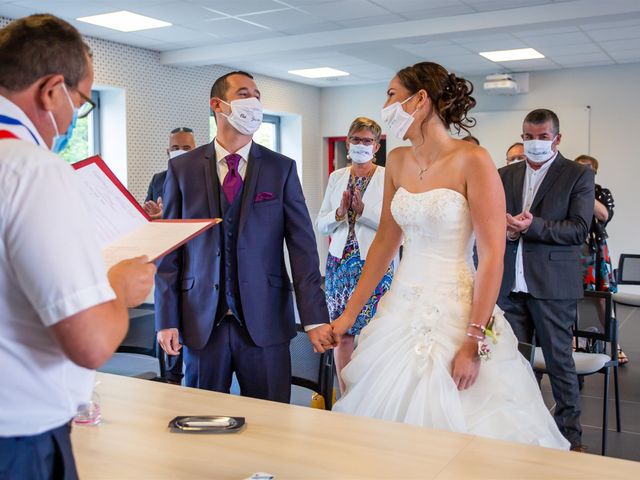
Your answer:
<point x="327" y="336"/>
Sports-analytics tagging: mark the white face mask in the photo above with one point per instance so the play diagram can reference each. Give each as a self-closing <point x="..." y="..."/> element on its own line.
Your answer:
<point x="175" y="153"/>
<point x="246" y="115"/>
<point x="397" y="119"/>
<point x="538" y="151"/>
<point x="360" y="153"/>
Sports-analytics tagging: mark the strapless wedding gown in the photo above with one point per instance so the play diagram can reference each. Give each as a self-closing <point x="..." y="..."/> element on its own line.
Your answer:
<point x="401" y="369"/>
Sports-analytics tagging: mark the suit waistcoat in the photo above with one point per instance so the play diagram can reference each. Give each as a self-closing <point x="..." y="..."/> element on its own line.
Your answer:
<point x="229" y="284"/>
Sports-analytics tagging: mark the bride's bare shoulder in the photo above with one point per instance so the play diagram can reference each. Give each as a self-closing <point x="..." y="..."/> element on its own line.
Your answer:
<point x="472" y="157"/>
<point x="397" y="156"/>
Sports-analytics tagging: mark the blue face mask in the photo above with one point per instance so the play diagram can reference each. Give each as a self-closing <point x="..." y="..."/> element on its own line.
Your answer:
<point x="60" y="142"/>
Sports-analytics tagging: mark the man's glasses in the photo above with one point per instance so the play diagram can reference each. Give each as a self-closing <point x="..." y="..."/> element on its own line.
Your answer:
<point x="181" y="129"/>
<point x="364" y="141"/>
<point x="87" y="107"/>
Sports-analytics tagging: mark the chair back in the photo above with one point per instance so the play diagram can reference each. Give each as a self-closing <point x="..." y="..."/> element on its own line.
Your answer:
<point x="628" y="272"/>
<point x="141" y="336"/>
<point x="528" y="351"/>
<point x="309" y="369"/>
<point x="595" y="321"/>
<point x="136" y="355"/>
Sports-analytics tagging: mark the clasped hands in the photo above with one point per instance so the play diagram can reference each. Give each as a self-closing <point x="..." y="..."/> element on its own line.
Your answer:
<point x="347" y="201"/>
<point x="327" y="336"/>
<point x="518" y="224"/>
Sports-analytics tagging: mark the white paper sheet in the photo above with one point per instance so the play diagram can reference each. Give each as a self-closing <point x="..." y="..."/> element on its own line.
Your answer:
<point x="153" y="239"/>
<point x="113" y="214"/>
<point x="122" y="230"/>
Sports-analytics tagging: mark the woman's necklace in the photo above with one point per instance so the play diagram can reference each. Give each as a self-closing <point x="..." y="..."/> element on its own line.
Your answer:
<point x="422" y="171"/>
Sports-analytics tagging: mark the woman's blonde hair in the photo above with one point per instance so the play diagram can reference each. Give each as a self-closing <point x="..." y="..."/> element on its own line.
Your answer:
<point x="361" y="123"/>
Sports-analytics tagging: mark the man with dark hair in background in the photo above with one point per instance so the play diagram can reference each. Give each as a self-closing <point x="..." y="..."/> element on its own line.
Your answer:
<point x="61" y="313"/>
<point x="181" y="140"/>
<point x="515" y="153"/>
<point x="227" y="295"/>
<point x="549" y="209"/>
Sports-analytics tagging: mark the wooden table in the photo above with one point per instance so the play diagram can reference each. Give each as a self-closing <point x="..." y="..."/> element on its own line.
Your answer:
<point x="297" y="443"/>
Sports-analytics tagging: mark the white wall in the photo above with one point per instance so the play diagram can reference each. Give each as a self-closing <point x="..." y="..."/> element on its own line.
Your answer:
<point x="613" y="94"/>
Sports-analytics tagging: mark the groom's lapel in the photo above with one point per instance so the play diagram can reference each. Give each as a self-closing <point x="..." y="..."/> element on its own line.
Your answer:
<point x="211" y="181"/>
<point x="250" y="182"/>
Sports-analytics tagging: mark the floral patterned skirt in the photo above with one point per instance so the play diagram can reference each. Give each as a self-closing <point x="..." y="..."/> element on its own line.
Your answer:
<point x="342" y="275"/>
<point x="597" y="271"/>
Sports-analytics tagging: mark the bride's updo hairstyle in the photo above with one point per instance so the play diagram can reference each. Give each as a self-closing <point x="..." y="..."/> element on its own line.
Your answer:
<point x="450" y="95"/>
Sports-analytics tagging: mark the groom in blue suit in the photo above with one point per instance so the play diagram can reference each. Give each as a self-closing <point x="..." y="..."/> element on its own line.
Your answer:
<point x="226" y="294"/>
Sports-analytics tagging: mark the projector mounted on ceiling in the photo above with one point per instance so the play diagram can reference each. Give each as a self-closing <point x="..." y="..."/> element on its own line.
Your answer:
<point x="507" y="84"/>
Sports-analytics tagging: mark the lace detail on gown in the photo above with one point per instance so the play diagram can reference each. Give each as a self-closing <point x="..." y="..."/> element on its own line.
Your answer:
<point x="401" y="369"/>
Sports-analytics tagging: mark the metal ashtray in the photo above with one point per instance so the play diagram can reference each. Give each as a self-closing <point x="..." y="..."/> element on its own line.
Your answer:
<point x="207" y="424"/>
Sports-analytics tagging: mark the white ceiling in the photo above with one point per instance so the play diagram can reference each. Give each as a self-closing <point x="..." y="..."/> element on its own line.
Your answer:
<point x="370" y="39"/>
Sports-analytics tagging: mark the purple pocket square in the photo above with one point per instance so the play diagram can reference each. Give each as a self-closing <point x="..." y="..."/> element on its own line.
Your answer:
<point x="264" y="196"/>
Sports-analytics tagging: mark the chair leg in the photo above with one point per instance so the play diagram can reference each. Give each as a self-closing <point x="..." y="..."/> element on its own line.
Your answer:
<point x="605" y="411"/>
<point x="617" y="394"/>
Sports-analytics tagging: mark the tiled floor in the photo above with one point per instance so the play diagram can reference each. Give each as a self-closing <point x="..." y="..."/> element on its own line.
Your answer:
<point x="625" y="444"/>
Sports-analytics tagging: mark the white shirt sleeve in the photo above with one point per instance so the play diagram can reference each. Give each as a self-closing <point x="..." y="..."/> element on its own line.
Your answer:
<point x="50" y="242"/>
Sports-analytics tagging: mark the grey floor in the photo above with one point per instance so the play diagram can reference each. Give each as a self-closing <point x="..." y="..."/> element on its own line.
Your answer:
<point x="625" y="444"/>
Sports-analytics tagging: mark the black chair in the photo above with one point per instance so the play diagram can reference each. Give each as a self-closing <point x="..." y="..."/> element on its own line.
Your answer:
<point x="311" y="370"/>
<point x="137" y="354"/>
<point x="597" y="349"/>
<point x="528" y="351"/>
<point x="627" y="273"/>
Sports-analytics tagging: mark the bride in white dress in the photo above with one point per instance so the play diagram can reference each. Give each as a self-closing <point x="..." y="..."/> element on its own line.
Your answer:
<point x="417" y="361"/>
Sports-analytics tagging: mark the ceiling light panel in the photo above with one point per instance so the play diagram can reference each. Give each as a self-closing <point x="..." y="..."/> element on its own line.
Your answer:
<point x="321" y="72"/>
<point x="511" y="55"/>
<point x="124" y="21"/>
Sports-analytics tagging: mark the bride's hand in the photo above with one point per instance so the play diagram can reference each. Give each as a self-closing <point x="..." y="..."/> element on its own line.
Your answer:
<point x="465" y="365"/>
<point x="340" y="327"/>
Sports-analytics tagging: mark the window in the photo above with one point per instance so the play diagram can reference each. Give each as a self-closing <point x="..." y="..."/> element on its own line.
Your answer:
<point x="85" y="141"/>
<point x="268" y="135"/>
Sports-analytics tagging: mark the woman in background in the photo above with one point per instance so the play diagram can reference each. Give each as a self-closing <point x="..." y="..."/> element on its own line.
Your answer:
<point x="596" y="262"/>
<point x="350" y="214"/>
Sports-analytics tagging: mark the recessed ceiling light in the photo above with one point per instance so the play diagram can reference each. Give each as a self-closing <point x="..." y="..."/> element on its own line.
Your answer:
<point x="124" y="21"/>
<point x="322" y="72"/>
<point x="510" y="55"/>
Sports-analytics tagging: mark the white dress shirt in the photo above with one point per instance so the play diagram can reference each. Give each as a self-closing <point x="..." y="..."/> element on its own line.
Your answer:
<point x="50" y="269"/>
<point x="532" y="181"/>
<point x="221" y="163"/>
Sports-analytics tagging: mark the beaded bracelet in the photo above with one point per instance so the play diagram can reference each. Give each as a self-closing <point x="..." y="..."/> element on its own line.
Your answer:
<point x="477" y="337"/>
<point x="482" y="328"/>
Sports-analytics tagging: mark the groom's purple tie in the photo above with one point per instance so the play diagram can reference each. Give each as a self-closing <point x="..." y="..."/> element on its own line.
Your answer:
<point x="232" y="181"/>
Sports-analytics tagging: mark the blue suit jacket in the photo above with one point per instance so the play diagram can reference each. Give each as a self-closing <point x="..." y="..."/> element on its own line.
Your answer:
<point x="156" y="187"/>
<point x="273" y="211"/>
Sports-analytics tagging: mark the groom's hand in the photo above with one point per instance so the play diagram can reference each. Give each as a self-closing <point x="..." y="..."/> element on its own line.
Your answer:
<point x="169" y="340"/>
<point x="322" y="338"/>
